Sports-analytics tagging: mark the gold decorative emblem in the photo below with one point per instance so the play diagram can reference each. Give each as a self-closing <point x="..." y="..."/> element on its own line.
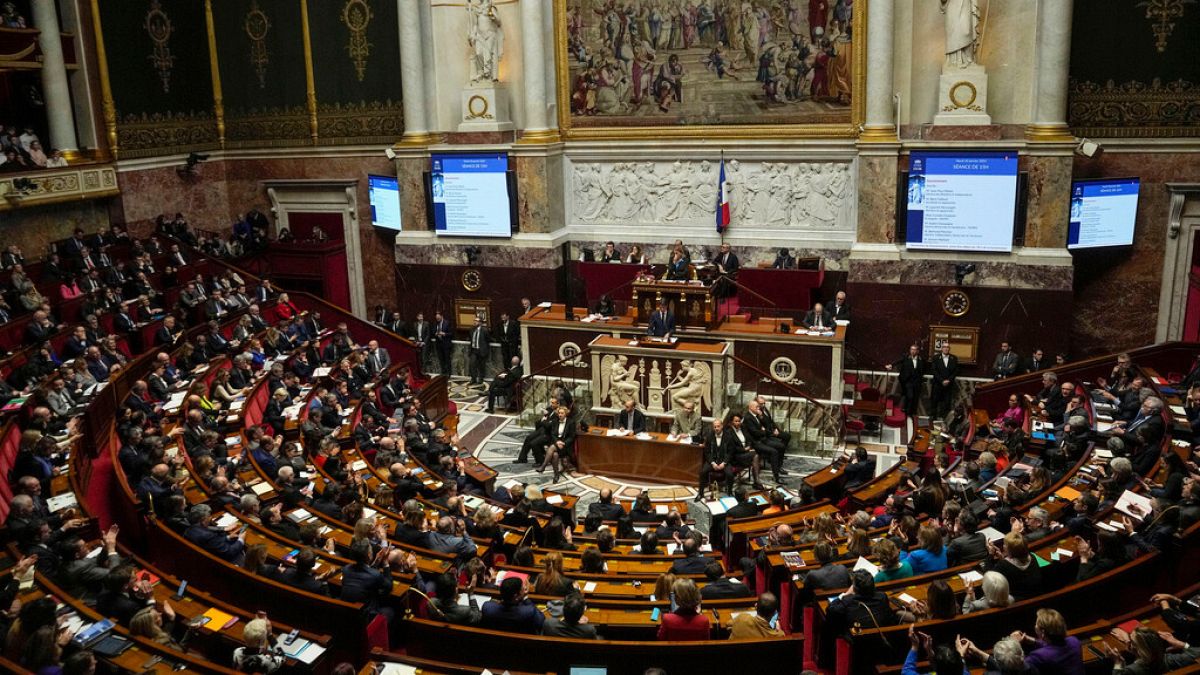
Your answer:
<point x="958" y="87"/>
<point x="356" y="14"/>
<point x="477" y="108"/>
<point x="472" y="280"/>
<point x="257" y="25"/>
<point x="1163" y="14"/>
<point x="955" y="303"/>
<point x="158" y="26"/>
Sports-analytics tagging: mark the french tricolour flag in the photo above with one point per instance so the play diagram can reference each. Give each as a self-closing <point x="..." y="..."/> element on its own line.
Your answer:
<point x="722" y="200"/>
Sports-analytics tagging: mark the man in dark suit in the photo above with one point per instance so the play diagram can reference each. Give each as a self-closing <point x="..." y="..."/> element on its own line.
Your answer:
<point x="365" y="584"/>
<point x="911" y="372"/>
<point x="167" y="334"/>
<point x="610" y="254"/>
<point x="420" y="332"/>
<point x="838" y="308"/>
<point x="1006" y="362"/>
<point x="716" y="460"/>
<point x="396" y="324"/>
<point x="77" y="344"/>
<point x="945" y="373"/>
<point x="721" y="587"/>
<point x="536" y="440"/>
<point x="630" y="418"/>
<point x="504" y="382"/>
<point x="514" y="612"/>
<point x="969" y="546"/>
<point x="1144" y="432"/>
<point x="606" y="508"/>
<point x="443" y="341"/>
<point x="12" y="256"/>
<point x="478" y="348"/>
<point x="1036" y="362"/>
<point x="508" y="332"/>
<point x="727" y="267"/>
<point x="203" y="533"/>
<point x="692" y="562"/>
<point x="769" y="446"/>
<point x="662" y="322"/>
<point x="817" y="318"/>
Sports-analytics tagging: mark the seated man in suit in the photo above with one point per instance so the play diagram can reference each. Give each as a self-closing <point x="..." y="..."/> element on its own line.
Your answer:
<point x="860" y="469"/>
<point x="692" y="562"/>
<point x="838" y="308"/>
<point x="662" y="322"/>
<point x="605" y="507"/>
<point x="721" y="587"/>
<point x="829" y="575"/>
<point x="571" y="624"/>
<point x="969" y="546"/>
<point x="817" y="318"/>
<point x="784" y="260"/>
<point x="225" y="544"/>
<point x="630" y="418"/>
<point x="514" y="612"/>
<point x="686" y="421"/>
<point x="168" y="333"/>
<point x="503" y="382"/>
<point x="537" y="439"/>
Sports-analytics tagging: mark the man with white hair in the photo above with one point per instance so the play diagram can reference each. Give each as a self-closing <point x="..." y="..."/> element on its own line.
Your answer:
<point x="228" y="544"/>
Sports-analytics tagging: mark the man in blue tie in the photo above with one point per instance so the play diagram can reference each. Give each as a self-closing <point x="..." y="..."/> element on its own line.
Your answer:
<point x="662" y="322"/>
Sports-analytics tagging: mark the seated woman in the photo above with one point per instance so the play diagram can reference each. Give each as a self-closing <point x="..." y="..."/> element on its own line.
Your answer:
<point x="1017" y="564"/>
<point x="890" y="565"/>
<point x="605" y="306"/>
<point x="552" y="581"/>
<point x="1015" y="411"/>
<point x="995" y="593"/>
<point x="686" y="622"/>
<point x="635" y="257"/>
<point x="931" y="554"/>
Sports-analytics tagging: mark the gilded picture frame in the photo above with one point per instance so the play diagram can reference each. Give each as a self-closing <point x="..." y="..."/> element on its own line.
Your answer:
<point x="850" y="128"/>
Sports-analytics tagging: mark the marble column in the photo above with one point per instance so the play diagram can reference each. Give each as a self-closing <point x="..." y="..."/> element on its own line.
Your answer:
<point x="55" y="88"/>
<point x="537" y="127"/>
<point x="1053" y="60"/>
<point x="880" y="126"/>
<point x="412" y="74"/>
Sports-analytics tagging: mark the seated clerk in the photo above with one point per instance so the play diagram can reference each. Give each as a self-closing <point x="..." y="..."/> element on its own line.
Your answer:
<point x="817" y="318"/>
<point x="514" y="612"/>
<point x="630" y="418"/>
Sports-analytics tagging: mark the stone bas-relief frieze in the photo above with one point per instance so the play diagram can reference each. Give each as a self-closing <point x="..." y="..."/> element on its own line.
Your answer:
<point x="785" y="195"/>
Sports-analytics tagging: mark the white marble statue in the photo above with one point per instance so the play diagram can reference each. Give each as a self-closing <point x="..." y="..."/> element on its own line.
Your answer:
<point x="486" y="40"/>
<point x="622" y="381"/>
<point x="691" y="384"/>
<point x="962" y="31"/>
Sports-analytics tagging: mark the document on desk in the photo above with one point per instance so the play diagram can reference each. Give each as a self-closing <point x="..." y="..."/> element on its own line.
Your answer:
<point x="302" y="650"/>
<point x="991" y="534"/>
<point x="554" y="499"/>
<point x="618" y="432"/>
<point x="644" y="436"/>
<point x="261" y="488"/>
<point x="1134" y="505"/>
<point x="864" y="564"/>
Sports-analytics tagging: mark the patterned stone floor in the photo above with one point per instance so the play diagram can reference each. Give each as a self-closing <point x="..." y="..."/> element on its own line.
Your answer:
<point x="496" y="441"/>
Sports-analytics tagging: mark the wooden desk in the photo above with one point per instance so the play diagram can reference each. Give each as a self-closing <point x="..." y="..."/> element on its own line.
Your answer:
<point x="690" y="301"/>
<point x="655" y="460"/>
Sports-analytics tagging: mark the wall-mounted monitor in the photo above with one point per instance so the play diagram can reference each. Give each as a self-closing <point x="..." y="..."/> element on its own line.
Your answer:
<point x="471" y="195"/>
<point x="961" y="201"/>
<point x="1103" y="212"/>
<point x="385" y="201"/>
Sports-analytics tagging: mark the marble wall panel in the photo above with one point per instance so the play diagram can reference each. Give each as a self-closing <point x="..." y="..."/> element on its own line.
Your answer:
<point x="877" y="198"/>
<point x="430" y="287"/>
<point x="490" y="255"/>
<point x="1049" y="193"/>
<point x="202" y="197"/>
<point x="987" y="274"/>
<point x="33" y="228"/>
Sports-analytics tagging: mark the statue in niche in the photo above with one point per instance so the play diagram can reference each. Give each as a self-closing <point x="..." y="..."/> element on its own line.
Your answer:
<point x="820" y="207"/>
<point x="962" y="31"/>
<point x="486" y="40"/>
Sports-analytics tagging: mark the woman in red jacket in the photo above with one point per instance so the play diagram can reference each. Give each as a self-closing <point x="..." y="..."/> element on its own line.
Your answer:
<point x="686" y="623"/>
<point x="285" y="309"/>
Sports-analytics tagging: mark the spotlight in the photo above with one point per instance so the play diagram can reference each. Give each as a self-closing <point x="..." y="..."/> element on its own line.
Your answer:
<point x="472" y="254"/>
<point x="961" y="270"/>
<point x="1088" y="148"/>
<point x="389" y="153"/>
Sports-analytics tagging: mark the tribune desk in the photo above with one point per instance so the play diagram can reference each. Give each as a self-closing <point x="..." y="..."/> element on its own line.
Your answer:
<point x="654" y="460"/>
<point x="765" y="355"/>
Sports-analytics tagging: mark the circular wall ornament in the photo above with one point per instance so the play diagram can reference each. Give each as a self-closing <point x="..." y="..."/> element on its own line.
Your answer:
<point x="783" y="369"/>
<point x="569" y="352"/>
<point x="955" y="303"/>
<point x="956" y="96"/>
<point x="472" y="280"/>
<point x="477" y="107"/>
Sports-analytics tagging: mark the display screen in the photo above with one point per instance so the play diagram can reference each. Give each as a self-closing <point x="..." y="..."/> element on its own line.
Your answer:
<point x="1102" y="212"/>
<point x="962" y="201"/>
<point x="469" y="195"/>
<point x="385" y="201"/>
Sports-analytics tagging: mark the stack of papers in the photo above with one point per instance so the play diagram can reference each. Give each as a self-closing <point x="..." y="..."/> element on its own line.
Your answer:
<point x="991" y="534"/>
<point x="971" y="577"/>
<point x="554" y="499"/>
<point x="864" y="564"/>
<point x="1134" y="505"/>
<point x="721" y="505"/>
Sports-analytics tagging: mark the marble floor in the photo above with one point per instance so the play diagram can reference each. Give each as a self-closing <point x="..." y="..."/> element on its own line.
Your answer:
<point x="495" y="440"/>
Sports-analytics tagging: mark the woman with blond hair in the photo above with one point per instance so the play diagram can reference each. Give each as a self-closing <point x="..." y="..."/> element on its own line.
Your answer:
<point x="552" y="581"/>
<point x="148" y="623"/>
<point x="686" y="622"/>
<point x="257" y="656"/>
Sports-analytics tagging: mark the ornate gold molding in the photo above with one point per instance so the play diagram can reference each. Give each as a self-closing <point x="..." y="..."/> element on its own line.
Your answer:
<point x="92" y="181"/>
<point x="357" y="15"/>
<point x="1134" y="109"/>
<point x="1049" y="133"/>
<point x="256" y="24"/>
<point x="309" y="80"/>
<point x="215" y="71"/>
<point x="1162" y="15"/>
<point x="166" y="134"/>
<point x="831" y="130"/>
<point x="540" y="137"/>
<point x="159" y="27"/>
<point x="878" y="134"/>
<point x="108" y="106"/>
<point x="362" y="122"/>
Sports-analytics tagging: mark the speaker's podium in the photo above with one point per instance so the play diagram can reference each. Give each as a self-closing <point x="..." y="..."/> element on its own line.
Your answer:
<point x="690" y="301"/>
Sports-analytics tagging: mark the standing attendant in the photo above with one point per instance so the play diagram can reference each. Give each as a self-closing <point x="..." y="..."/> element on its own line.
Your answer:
<point x="509" y="337"/>
<point x="443" y="341"/>
<point x="477" y="352"/>
<point x="838" y="308"/>
<point x="945" y="372"/>
<point x="911" y="371"/>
